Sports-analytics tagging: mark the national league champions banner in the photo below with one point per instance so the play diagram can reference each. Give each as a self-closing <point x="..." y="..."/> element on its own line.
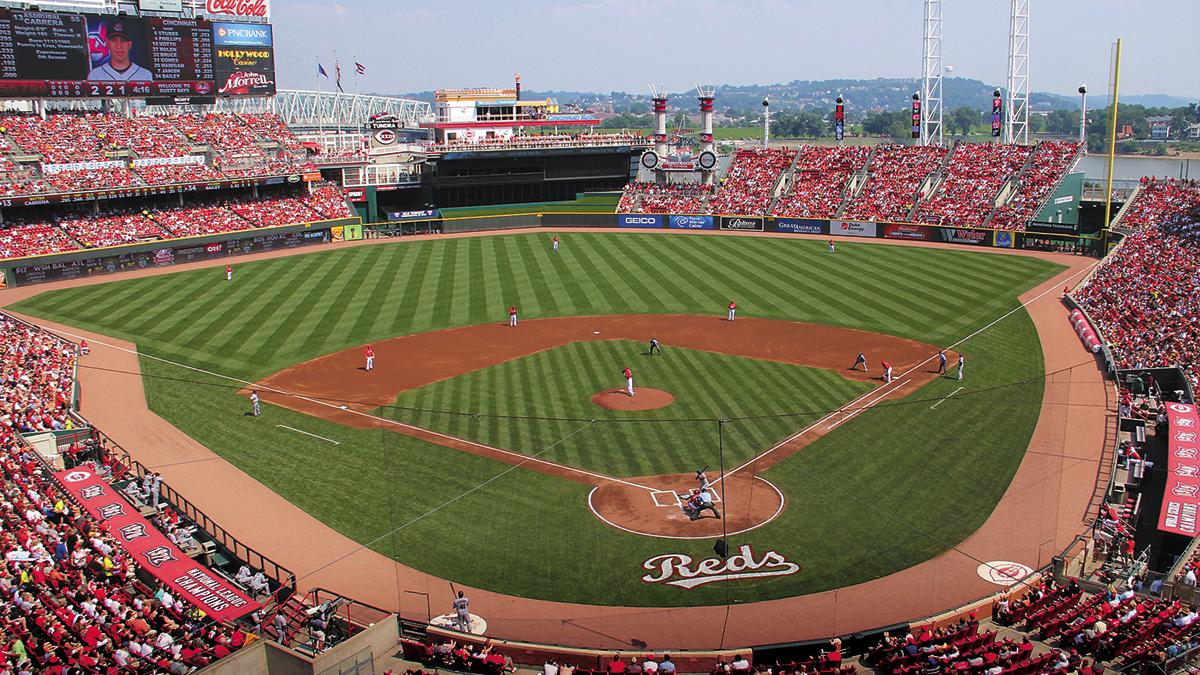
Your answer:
<point x="189" y="580"/>
<point x="1181" y="499"/>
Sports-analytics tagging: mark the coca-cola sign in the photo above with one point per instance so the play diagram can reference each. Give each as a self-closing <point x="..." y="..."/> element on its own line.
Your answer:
<point x="677" y="569"/>
<point x="244" y="8"/>
<point x="246" y="83"/>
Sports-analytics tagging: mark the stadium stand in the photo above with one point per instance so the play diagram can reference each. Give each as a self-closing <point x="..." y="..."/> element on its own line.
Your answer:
<point x="895" y="174"/>
<point x="643" y="197"/>
<point x="74" y="231"/>
<point x="241" y="146"/>
<point x="1143" y="297"/>
<point x="1050" y="162"/>
<point x="752" y="176"/>
<point x="76" y="603"/>
<point x="819" y="180"/>
<point x="973" y="178"/>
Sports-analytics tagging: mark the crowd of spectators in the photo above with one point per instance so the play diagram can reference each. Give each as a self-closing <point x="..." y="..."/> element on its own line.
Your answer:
<point x="74" y="231"/>
<point x="646" y="197"/>
<point x="20" y="238"/>
<point x="819" y="180"/>
<point x="111" y="229"/>
<point x="73" y="603"/>
<point x="1050" y="162"/>
<point x="241" y="146"/>
<point x="168" y="174"/>
<point x="973" y="178"/>
<point x="1143" y="298"/>
<point x="752" y="176"/>
<point x="894" y="175"/>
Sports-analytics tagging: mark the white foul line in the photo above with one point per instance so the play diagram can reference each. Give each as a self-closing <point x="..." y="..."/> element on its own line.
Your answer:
<point x="864" y="408"/>
<point x="301" y="431"/>
<point x="950" y="395"/>
<point x="1002" y="317"/>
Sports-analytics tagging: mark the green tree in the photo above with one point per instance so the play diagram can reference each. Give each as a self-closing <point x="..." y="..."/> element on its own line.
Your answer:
<point x="962" y="119"/>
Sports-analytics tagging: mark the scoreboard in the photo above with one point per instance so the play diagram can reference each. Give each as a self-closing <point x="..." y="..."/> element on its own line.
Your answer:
<point x="64" y="55"/>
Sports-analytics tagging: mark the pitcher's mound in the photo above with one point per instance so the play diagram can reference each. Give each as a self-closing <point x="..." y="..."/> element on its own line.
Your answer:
<point x="644" y="398"/>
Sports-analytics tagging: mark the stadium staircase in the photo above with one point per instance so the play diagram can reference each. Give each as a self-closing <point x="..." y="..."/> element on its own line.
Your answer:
<point x="785" y="186"/>
<point x="294" y="609"/>
<point x="1116" y="222"/>
<point x="855" y="184"/>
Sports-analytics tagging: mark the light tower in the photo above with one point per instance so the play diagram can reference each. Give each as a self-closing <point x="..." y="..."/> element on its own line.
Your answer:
<point x="931" y="65"/>
<point x="1083" y="116"/>
<point x="707" y="158"/>
<point x="1016" y="113"/>
<point x="766" y="122"/>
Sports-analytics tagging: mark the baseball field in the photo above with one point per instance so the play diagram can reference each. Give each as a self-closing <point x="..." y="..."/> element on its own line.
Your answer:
<point x="476" y="453"/>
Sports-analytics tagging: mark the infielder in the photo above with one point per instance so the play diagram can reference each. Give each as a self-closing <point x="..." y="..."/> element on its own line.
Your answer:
<point x="942" y="362"/>
<point x="732" y="309"/>
<point x="887" y="371"/>
<point x="555" y="241"/>
<point x="255" y="409"/>
<point x="512" y="316"/>
<point x="861" y="359"/>
<point x="462" y="614"/>
<point x="961" y="361"/>
<point x="369" y="352"/>
<point x="655" y="347"/>
<point x="229" y="273"/>
<point x="628" y="375"/>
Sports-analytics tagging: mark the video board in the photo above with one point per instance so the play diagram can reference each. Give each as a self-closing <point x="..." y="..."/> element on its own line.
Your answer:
<point x="64" y="55"/>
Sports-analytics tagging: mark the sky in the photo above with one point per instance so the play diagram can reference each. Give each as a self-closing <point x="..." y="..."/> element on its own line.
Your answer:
<point x="625" y="45"/>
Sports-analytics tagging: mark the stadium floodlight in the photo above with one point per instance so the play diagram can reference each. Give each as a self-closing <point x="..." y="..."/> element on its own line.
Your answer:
<point x="931" y="80"/>
<point x="1083" y="116"/>
<point x="1016" y="112"/>
<point x="766" y="104"/>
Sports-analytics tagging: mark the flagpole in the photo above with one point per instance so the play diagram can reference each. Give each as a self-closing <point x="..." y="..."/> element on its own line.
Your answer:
<point x="320" y="116"/>
<point x="337" y="100"/>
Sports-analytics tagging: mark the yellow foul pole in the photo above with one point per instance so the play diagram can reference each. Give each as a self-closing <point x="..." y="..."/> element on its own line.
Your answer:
<point x="1112" y="135"/>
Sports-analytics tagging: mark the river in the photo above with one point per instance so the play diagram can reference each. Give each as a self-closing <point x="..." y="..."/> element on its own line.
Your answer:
<point x="1095" y="166"/>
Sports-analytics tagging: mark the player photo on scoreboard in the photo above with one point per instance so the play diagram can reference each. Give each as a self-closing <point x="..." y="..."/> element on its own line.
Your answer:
<point x="119" y="49"/>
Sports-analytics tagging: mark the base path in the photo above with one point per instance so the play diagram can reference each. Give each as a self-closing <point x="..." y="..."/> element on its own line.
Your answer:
<point x="1040" y="513"/>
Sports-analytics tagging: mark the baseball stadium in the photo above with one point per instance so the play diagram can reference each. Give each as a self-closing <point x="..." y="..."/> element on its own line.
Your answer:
<point x="298" y="381"/>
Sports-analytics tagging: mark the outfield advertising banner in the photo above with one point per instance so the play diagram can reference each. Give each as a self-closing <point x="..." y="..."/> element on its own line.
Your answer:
<point x="907" y="231"/>
<point x="959" y="235"/>
<point x="1003" y="239"/>
<point x="1181" y="498"/>
<point x="742" y="223"/>
<point x="853" y="228"/>
<point x="691" y="222"/>
<point x="802" y="226"/>
<point x="640" y="220"/>
<point x="191" y="581"/>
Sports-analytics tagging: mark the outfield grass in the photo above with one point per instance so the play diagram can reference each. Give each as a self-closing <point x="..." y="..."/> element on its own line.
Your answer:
<point x="559" y="383"/>
<point x="854" y="496"/>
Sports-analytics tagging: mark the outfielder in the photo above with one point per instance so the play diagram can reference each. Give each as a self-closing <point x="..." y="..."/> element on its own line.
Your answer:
<point x="861" y="359"/>
<point x="369" y="352"/>
<point x="254" y="406"/>
<point x="831" y="246"/>
<point x="655" y="347"/>
<point x="887" y="371"/>
<point x="628" y="374"/>
<point x="512" y="316"/>
<point x="961" y="361"/>
<point x="942" y="362"/>
<point x="732" y="309"/>
<point x="555" y="240"/>
<point x="229" y="273"/>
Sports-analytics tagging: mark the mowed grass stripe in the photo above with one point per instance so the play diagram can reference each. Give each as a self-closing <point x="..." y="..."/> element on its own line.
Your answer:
<point x="342" y="292"/>
<point x="528" y="260"/>
<point x="402" y="321"/>
<point x="384" y="272"/>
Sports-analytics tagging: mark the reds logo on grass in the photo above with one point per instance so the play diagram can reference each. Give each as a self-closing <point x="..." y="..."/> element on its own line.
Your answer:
<point x="677" y="569"/>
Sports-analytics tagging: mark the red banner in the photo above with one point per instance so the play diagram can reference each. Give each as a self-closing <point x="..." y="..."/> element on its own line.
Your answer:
<point x="1181" y="499"/>
<point x="906" y="231"/>
<point x="189" y="580"/>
